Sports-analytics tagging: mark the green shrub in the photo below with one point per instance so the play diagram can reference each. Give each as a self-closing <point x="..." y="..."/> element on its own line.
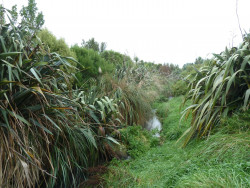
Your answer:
<point x="138" y="140"/>
<point x="161" y="109"/>
<point x="162" y="99"/>
<point x="179" y="88"/>
<point x="55" y="45"/>
<point x="91" y="64"/>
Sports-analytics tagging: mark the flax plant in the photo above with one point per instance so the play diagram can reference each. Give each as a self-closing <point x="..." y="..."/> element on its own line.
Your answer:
<point x="44" y="139"/>
<point x="219" y="89"/>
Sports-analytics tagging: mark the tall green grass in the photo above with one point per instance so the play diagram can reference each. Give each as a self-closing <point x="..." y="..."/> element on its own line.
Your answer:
<point x="219" y="161"/>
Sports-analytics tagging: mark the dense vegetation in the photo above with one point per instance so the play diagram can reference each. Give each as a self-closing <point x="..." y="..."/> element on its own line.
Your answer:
<point x="219" y="89"/>
<point x="222" y="160"/>
<point x="64" y="110"/>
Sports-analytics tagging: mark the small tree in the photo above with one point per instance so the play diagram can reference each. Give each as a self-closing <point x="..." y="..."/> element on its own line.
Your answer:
<point x="94" y="45"/>
<point x="33" y="20"/>
<point x="103" y="47"/>
<point x="136" y="59"/>
<point x="91" y="44"/>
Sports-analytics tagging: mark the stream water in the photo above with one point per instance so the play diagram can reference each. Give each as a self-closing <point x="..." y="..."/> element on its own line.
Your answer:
<point x="153" y="124"/>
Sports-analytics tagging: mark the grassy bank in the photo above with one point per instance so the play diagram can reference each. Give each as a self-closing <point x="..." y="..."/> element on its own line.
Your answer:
<point x="219" y="161"/>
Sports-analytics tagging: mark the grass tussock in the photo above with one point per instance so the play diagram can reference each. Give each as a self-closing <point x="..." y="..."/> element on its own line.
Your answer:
<point x="134" y="103"/>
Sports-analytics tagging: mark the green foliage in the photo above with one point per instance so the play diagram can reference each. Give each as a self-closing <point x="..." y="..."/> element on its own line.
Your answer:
<point x="125" y="87"/>
<point x="138" y="140"/>
<point x="102" y="114"/>
<point x="199" y="60"/>
<point x="12" y="14"/>
<point x="179" y="88"/>
<point x="189" y="69"/>
<point x="162" y="98"/>
<point x="136" y="59"/>
<point x="168" y="79"/>
<point x="103" y="47"/>
<point x="30" y="18"/>
<point x="49" y="132"/>
<point x="161" y="109"/>
<point x="94" y="45"/>
<point x="219" y="89"/>
<point x="169" y="68"/>
<point x="132" y="101"/>
<point x="55" y="45"/>
<point x="117" y="59"/>
<point x="91" y="64"/>
<point x="239" y="123"/>
<point x="168" y="112"/>
<point x="2" y="18"/>
<point x="37" y="121"/>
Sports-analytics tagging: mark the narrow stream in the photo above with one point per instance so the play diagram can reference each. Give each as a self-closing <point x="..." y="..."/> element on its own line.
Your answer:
<point x="153" y="124"/>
